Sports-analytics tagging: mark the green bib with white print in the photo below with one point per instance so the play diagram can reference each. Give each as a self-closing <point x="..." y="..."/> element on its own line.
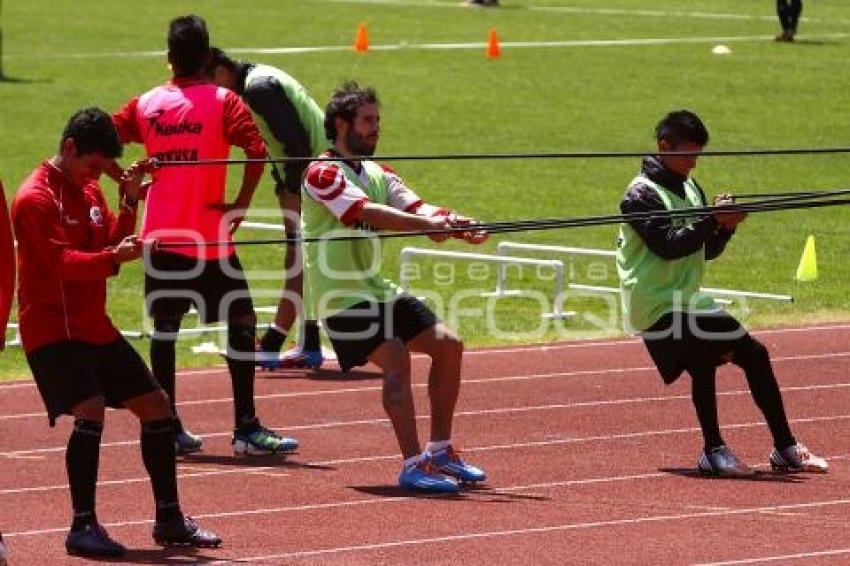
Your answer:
<point x="653" y="286"/>
<point x="339" y="274"/>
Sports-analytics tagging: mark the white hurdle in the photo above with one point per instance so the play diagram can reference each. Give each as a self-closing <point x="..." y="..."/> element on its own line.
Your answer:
<point x="557" y="265"/>
<point x="504" y="248"/>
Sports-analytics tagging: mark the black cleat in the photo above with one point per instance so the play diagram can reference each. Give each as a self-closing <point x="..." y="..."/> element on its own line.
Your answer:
<point x="93" y="540"/>
<point x="184" y="532"/>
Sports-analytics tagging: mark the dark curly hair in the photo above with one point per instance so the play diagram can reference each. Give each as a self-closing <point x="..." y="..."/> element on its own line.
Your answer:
<point x="344" y="103"/>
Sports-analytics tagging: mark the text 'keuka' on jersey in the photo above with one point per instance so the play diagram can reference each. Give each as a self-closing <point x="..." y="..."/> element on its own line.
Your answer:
<point x="189" y="120"/>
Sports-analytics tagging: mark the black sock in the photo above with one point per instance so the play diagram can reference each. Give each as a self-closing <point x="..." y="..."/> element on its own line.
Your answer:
<point x="159" y="458"/>
<point x="311" y="335"/>
<point x="272" y="340"/>
<point x="704" y="397"/>
<point x="240" y="362"/>
<point x="81" y="460"/>
<point x="163" y="356"/>
<point x="754" y="359"/>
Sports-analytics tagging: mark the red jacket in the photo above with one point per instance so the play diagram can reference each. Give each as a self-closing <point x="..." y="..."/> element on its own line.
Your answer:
<point x="7" y="267"/>
<point x="64" y="233"/>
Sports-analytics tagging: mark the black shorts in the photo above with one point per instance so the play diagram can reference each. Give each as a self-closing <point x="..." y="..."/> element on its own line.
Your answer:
<point x="358" y="330"/>
<point x="678" y="341"/>
<point x="69" y="372"/>
<point x="217" y="287"/>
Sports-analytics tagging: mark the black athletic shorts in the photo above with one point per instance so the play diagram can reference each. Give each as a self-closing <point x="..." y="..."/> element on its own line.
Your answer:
<point x="678" y="341"/>
<point x="69" y="372"/>
<point x="217" y="287"/>
<point x="357" y="331"/>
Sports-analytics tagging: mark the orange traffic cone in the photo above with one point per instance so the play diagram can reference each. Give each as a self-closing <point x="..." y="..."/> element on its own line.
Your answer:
<point x="361" y="43"/>
<point x="493" y="49"/>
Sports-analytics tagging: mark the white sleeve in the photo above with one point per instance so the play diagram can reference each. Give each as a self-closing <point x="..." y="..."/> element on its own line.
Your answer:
<point x="325" y="183"/>
<point x="400" y="196"/>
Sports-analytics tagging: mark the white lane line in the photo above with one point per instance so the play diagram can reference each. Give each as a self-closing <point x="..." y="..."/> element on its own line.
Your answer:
<point x="779" y="558"/>
<point x="17" y="384"/>
<point x="334" y="424"/>
<point x="104" y="483"/>
<point x="360" y="502"/>
<point x="383" y="420"/>
<point x="385" y="457"/>
<point x="630" y="521"/>
<point x="583" y="439"/>
<point x="447" y="46"/>
<point x="478" y="381"/>
<point x="492" y="492"/>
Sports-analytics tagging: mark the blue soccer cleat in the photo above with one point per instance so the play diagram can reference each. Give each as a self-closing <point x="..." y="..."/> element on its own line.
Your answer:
<point x="300" y="358"/>
<point x="448" y="461"/>
<point x="422" y="476"/>
<point x="268" y="361"/>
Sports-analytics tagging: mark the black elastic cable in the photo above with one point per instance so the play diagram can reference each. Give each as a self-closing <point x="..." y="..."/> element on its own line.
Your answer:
<point x="507" y="156"/>
<point x="796" y="194"/>
<point x="771" y="205"/>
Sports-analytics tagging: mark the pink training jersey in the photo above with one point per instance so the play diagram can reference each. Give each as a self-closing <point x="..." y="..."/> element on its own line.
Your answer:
<point x="188" y="121"/>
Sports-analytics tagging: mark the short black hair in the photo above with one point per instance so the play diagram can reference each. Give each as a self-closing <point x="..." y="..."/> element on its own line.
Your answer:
<point x="188" y="45"/>
<point x="93" y="132"/>
<point x="344" y="103"/>
<point x="682" y="126"/>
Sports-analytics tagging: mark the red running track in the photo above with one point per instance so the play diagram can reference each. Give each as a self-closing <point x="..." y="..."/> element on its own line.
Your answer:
<point x="591" y="461"/>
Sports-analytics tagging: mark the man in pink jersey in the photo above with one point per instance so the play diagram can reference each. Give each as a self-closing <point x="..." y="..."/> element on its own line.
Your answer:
<point x="189" y="119"/>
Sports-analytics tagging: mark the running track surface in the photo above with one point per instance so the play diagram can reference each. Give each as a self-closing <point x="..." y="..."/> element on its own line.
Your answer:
<point x="591" y="460"/>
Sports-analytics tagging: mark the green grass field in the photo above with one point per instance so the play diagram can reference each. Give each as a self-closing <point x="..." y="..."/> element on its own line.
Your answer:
<point x="62" y="55"/>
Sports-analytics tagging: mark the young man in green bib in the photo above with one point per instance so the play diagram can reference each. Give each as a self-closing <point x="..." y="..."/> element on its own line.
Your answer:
<point x="661" y="260"/>
<point x="292" y="125"/>
<point x="368" y="318"/>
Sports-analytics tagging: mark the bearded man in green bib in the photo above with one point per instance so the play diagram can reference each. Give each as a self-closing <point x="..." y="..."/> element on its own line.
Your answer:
<point x="661" y="260"/>
<point x="368" y="318"/>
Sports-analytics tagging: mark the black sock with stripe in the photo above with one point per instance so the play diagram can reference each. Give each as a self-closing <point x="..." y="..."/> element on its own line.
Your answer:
<point x="159" y="458"/>
<point x="240" y="362"/>
<point x="82" y="460"/>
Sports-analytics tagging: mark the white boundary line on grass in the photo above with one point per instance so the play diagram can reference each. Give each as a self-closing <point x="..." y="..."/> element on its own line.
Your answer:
<point x="632" y="42"/>
<point x="384" y="457"/>
<point x="475" y="381"/>
<point x="776" y="558"/>
<point x="665" y="14"/>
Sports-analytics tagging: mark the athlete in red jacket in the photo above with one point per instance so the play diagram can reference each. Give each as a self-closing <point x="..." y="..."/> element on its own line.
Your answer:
<point x="7" y="267"/>
<point x="69" y="243"/>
